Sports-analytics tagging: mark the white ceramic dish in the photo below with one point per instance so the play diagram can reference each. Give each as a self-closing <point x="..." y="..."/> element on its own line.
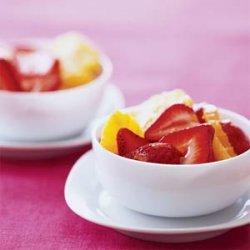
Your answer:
<point x="87" y="198"/>
<point x="174" y="190"/>
<point x="112" y="99"/>
<point x="51" y="115"/>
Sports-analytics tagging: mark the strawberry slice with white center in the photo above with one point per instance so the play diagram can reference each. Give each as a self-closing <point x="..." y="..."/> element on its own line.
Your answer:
<point x="37" y="70"/>
<point x="174" y="118"/>
<point x="8" y="80"/>
<point x="156" y="152"/>
<point x="128" y="141"/>
<point x="194" y="143"/>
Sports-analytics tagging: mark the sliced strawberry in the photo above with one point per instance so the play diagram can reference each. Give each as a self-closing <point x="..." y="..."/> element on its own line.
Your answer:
<point x="156" y="152"/>
<point x="199" y="115"/>
<point x="8" y="80"/>
<point x="37" y="71"/>
<point x="176" y="117"/>
<point x="237" y="138"/>
<point x="128" y="141"/>
<point x="195" y="143"/>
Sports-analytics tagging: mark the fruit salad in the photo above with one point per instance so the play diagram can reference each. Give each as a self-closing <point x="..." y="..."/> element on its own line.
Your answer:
<point x="169" y="129"/>
<point x="65" y="62"/>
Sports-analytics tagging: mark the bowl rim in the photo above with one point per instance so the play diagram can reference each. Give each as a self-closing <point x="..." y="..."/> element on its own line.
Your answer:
<point x="99" y="124"/>
<point x="107" y="69"/>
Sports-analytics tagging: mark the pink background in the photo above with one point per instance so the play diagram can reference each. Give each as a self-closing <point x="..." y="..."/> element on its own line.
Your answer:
<point x="202" y="46"/>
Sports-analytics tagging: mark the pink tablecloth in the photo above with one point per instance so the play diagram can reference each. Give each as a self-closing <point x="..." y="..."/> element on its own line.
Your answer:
<point x="200" y="46"/>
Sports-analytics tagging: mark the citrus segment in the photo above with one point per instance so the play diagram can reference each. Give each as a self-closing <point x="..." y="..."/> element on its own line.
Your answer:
<point x="221" y="145"/>
<point x="223" y="138"/>
<point x="220" y="151"/>
<point x="115" y="122"/>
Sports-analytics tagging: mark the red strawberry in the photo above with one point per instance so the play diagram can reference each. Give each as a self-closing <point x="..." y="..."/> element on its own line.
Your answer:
<point x="128" y="141"/>
<point x="239" y="141"/>
<point x="8" y="79"/>
<point x="177" y="117"/>
<point x="156" y="152"/>
<point x="37" y="71"/>
<point x="195" y="143"/>
<point x="199" y="115"/>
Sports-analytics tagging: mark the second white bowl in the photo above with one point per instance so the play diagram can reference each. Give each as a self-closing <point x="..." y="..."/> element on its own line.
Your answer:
<point x="51" y="115"/>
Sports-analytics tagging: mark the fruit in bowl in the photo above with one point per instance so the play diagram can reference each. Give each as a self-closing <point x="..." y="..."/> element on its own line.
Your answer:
<point x="64" y="62"/>
<point x="172" y="158"/>
<point x="198" y="135"/>
<point x="43" y="97"/>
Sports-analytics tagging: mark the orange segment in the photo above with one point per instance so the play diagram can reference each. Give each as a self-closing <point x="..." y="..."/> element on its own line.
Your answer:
<point x="116" y="121"/>
<point x="220" y="153"/>
<point x="221" y="145"/>
<point x="222" y="136"/>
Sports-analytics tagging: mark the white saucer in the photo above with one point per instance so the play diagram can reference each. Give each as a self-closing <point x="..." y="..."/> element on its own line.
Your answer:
<point x="112" y="99"/>
<point x="85" y="196"/>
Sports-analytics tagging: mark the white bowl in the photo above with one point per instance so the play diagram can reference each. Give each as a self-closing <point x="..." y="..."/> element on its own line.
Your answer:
<point x="174" y="190"/>
<point x="37" y="116"/>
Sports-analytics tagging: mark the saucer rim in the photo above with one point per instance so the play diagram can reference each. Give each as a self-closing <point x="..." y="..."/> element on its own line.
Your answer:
<point x="102" y="222"/>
